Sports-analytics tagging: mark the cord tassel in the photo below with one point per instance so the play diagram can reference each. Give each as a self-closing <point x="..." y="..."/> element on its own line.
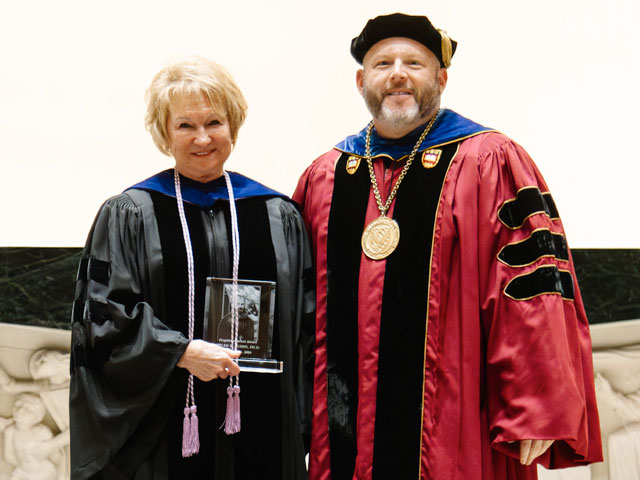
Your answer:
<point x="186" y="434"/>
<point x="194" y="434"/>
<point x="236" y="402"/>
<point x="232" y="418"/>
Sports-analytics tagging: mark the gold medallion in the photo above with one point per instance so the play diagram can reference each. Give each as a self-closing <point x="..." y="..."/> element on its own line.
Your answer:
<point x="431" y="157"/>
<point x="353" y="163"/>
<point x="380" y="238"/>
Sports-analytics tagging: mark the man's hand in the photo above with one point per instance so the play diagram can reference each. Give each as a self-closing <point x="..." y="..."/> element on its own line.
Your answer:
<point x="208" y="361"/>
<point x="532" y="449"/>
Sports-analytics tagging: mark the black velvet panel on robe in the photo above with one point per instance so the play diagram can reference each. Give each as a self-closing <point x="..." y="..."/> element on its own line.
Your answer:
<point x="398" y="425"/>
<point x="221" y="456"/>
<point x="529" y="201"/>
<point x="346" y="223"/>
<point x="541" y="243"/>
<point x="403" y="323"/>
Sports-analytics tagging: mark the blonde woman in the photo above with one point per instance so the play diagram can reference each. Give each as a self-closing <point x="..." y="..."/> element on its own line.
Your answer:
<point x="144" y="383"/>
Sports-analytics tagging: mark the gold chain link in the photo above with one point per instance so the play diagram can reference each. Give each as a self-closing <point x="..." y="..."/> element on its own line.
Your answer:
<point x="376" y="192"/>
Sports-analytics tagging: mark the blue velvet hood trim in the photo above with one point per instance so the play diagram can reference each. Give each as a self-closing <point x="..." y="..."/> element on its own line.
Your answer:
<point x="204" y="195"/>
<point x="449" y="127"/>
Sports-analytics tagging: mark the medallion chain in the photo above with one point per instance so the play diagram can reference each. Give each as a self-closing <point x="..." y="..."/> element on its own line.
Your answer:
<point x="374" y="183"/>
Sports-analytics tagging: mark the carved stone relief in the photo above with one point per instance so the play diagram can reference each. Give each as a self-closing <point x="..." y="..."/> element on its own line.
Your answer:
<point x="616" y="364"/>
<point x="34" y="397"/>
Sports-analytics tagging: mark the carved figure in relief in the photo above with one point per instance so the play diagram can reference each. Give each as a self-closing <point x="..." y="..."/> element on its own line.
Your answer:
<point x="5" y="470"/>
<point x="617" y="383"/>
<point x="29" y="446"/>
<point x="49" y="384"/>
<point x="51" y="369"/>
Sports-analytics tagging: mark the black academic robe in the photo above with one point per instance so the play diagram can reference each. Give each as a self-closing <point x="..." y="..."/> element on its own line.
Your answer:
<point x="130" y="329"/>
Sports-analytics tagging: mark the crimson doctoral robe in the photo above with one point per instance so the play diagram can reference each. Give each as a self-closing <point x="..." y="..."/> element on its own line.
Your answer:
<point x="469" y="336"/>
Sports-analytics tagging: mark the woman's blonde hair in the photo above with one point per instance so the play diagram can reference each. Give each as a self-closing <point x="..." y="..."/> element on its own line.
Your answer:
<point x="188" y="77"/>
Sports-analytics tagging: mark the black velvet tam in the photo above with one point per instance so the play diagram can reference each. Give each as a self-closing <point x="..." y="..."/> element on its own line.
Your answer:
<point x="415" y="27"/>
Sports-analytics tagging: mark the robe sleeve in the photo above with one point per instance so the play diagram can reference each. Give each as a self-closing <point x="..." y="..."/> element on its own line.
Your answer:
<point x="301" y="306"/>
<point x="539" y="362"/>
<point x="122" y="353"/>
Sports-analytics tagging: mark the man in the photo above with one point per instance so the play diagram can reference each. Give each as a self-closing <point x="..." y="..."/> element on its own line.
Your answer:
<point x="451" y="340"/>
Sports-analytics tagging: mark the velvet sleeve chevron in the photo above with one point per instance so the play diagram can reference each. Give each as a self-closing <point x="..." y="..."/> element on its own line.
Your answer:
<point x="539" y="367"/>
<point x="540" y="243"/>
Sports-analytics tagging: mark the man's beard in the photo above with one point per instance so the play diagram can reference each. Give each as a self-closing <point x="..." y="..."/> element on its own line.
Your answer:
<point x="426" y="102"/>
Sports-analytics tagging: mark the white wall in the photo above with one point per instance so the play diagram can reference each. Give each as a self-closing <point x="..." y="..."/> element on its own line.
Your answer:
<point x="560" y="77"/>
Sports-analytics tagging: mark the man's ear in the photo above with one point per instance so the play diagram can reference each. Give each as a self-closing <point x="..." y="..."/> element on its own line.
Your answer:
<point x="443" y="76"/>
<point x="360" y="80"/>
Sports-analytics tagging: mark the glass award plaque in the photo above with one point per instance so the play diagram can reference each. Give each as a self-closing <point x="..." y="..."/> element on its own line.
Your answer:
<point x="256" y="306"/>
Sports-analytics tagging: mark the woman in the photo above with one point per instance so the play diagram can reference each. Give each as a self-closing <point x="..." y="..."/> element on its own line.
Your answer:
<point x="139" y="364"/>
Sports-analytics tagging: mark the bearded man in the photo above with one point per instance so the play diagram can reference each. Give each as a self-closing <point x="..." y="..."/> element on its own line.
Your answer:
<point x="451" y="339"/>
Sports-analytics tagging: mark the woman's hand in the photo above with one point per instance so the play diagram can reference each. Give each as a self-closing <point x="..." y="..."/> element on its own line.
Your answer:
<point x="208" y="361"/>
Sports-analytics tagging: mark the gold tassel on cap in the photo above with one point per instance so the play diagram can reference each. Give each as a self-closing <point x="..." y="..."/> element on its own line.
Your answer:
<point x="447" y="49"/>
